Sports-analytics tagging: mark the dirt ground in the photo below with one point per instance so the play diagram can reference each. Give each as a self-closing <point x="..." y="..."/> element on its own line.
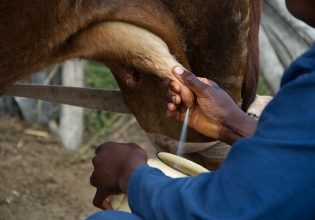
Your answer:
<point x="37" y="183"/>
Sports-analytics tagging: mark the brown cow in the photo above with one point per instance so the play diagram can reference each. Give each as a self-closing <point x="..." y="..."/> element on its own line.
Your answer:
<point x="217" y="39"/>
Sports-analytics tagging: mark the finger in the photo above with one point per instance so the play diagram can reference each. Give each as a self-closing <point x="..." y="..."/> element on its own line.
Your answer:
<point x="171" y="107"/>
<point x="208" y="81"/>
<point x="99" y="200"/>
<point x="178" y="114"/>
<point x="173" y="97"/>
<point x="191" y="81"/>
<point x="177" y="100"/>
<point x="175" y="87"/>
<point x="106" y="205"/>
<point x="187" y="97"/>
<point x="180" y="93"/>
<point x="204" y="80"/>
<point x="172" y="114"/>
<point x="170" y="93"/>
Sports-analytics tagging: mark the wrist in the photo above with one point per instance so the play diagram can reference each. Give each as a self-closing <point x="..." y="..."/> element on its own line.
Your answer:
<point x="240" y="123"/>
<point x="228" y="136"/>
<point x="126" y="175"/>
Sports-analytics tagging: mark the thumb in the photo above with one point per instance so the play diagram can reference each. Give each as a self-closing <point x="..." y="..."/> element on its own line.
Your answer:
<point x="100" y="200"/>
<point x="190" y="80"/>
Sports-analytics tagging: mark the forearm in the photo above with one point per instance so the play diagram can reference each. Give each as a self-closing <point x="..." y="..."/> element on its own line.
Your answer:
<point x="228" y="136"/>
<point x="242" y="124"/>
<point x="125" y="177"/>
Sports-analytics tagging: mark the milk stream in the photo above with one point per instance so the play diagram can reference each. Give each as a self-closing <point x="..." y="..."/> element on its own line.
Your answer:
<point x="183" y="135"/>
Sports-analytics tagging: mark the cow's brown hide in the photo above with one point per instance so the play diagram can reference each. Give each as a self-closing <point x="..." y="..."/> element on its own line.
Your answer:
<point x="222" y="42"/>
<point x="36" y="34"/>
<point x="217" y="39"/>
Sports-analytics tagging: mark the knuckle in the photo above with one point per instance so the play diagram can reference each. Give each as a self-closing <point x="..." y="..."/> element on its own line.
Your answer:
<point x="190" y="80"/>
<point x="171" y="98"/>
<point x="109" y="143"/>
<point x="175" y="88"/>
<point x="173" y="83"/>
<point x="98" y="149"/>
<point x="93" y="180"/>
<point x="94" y="161"/>
<point x="134" y="145"/>
<point x="103" y="146"/>
<point x="96" y="203"/>
<point x="204" y="80"/>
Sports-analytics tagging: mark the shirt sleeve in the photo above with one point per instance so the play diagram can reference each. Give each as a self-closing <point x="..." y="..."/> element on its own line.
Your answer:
<point x="268" y="176"/>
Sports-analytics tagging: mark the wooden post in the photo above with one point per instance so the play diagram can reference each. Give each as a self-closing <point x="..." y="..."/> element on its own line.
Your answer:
<point x="71" y="118"/>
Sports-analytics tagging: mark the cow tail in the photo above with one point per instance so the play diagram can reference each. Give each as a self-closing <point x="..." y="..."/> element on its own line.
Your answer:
<point x="251" y="79"/>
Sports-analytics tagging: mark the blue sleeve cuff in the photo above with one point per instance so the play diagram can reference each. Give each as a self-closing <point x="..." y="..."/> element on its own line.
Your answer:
<point x="134" y="180"/>
<point x="137" y="186"/>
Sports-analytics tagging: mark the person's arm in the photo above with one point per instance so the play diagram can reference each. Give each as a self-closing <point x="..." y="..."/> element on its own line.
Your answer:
<point x="113" y="164"/>
<point x="267" y="176"/>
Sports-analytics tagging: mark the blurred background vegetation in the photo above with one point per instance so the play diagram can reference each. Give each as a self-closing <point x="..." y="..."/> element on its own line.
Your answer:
<point x="98" y="76"/>
<point x="263" y="87"/>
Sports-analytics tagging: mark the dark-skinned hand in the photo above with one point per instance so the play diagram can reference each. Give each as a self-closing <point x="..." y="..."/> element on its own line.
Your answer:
<point x="113" y="164"/>
<point x="212" y="112"/>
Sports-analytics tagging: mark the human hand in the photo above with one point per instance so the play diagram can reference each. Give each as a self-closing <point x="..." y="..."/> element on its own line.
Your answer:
<point x="113" y="164"/>
<point x="213" y="112"/>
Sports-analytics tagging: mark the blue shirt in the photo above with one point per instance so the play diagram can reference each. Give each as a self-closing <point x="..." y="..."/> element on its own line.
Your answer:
<point x="270" y="175"/>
